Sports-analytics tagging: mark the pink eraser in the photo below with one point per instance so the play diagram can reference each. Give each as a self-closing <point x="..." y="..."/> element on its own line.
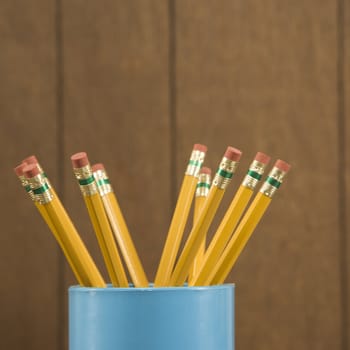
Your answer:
<point x="19" y="169"/>
<point x="233" y="154"/>
<point x="98" y="166"/>
<point x="31" y="170"/>
<point x="31" y="160"/>
<point x="262" y="158"/>
<point x="79" y="160"/>
<point x="282" y="165"/>
<point x="205" y="170"/>
<point x="199" y="147"/>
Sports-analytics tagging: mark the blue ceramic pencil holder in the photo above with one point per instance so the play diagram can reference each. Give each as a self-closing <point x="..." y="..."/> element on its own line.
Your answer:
<point x="175" y="318"/>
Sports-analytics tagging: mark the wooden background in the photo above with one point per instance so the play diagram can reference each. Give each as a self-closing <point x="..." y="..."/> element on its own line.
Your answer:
<point x="136" y="84"/>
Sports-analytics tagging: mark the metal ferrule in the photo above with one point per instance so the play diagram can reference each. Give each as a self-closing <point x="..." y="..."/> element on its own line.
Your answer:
<point x="254" y="175"/>
<point x="40" y="169"/>
<point x="43" y="174"/>
<point x="26" y="185"/>
<point x="41" y="190"/>
<point x="86" y="180"/>
<point x="195" y="163"/>
<point x="273" y="182"/>
<point x="102" y="181"/>
<point x="225" y="172"/>
<point x="203" y="185"/>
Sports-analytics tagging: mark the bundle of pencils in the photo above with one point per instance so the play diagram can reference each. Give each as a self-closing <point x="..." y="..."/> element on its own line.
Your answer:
<point x="198" y="264"/>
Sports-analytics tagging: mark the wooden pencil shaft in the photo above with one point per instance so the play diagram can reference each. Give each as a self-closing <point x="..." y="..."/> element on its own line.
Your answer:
<point x="202" y="191"/>
<point x="88" y="187"/>
<point x="79" y="274"/>
<point x="176" y="230"/>
<point x="221" y="181"/>
<point x="196" y="236"/>
<point x="124" y="240"/>
<point x="223" y="234"/>
<point x="46" y="197"/>
<point x="180" y="216"/>
<point x="197" y="262"/>
<point x="239" y="239"/>
<point x="76" y="244"/>
<point x="105" y="239"/>
<point x="80" y="256"/>
<point x="119" y="227"/>
<point x="249" y="222"/>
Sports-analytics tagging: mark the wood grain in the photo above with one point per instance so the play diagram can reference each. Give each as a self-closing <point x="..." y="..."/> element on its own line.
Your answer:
<point x="116" y="109"/>
<point x="29" y="303"/>
<point x="262" y="76"/>
<point x="344" y="161"/>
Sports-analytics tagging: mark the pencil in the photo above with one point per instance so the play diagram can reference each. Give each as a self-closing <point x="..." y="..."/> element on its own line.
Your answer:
<point x="62" y="228"/>
<point x="231" y="218"/>
<point x="180" y="216"/>
<point x="221" y="180"/>
<point x="248" y="224"/>
<point x="201" y="195"/>
<point x="83" y="173"/>
<point x="20" y="174"/>
<point x="119" y="227"/>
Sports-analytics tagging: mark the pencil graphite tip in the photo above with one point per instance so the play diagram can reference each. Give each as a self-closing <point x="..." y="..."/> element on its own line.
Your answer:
<point x="199" y="147"/>
<point x="262" y="158"/>
<point x="79" y="160"/>
<point x="233" y="154"/>
<point x="31" y="170"/>
<point x="282" y="165"/>
<point x="98" y="166"/>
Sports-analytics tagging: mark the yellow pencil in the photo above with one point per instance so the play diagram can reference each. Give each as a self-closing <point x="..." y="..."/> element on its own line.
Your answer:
<point x="201" y="195"/>
<point x="83" y="173"/>
<point x="221" y="180"/>
<point x="248" y="224"/>
<point x="180" y="216"/>
<point x="19" y="172"/>
<point x="231" y="218"/>
<point x="58" y="221"/>
<point x="119" y="227"/>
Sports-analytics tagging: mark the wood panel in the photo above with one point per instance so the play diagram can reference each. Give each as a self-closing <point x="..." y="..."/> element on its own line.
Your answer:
<point x="262" y="76"/>
<point x="344" y="158"/>
<point x="116" y="109"/>
<point x="29" y="301"/>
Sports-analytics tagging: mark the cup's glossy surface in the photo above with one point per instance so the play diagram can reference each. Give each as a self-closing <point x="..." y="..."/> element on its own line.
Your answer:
<point x="179" y="318"/>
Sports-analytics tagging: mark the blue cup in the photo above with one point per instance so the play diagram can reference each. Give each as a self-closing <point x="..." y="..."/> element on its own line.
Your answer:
<point x="175" y="318"/>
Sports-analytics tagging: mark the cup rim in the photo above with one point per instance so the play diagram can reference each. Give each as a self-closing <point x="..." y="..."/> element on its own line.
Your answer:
<point x="151" y="288"/>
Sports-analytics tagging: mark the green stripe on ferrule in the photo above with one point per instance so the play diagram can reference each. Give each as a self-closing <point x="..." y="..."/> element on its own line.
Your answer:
<point x="254" y="174"/>
<point x="27" y="188"/>
<point x="203" y="184"/>
<point x="102" y="182"/>
<point x="88" y="181"/>
<point x="41" y="189"/>
<point x="195" y="162"/>
<point x="224" y="173"/>
<point x="273" y="182"/>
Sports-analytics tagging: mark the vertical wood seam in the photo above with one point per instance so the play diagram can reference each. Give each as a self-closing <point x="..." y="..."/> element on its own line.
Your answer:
<point x="172" y="100"/>
<point x="59" y="166"/>
<point x="342" y="201"/>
